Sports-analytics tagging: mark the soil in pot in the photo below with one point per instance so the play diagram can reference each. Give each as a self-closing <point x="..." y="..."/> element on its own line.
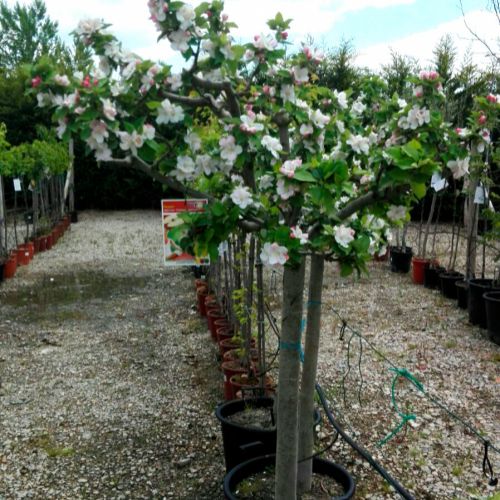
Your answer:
<point x="476" y="305"/>
<point x="431" y="276"/>
<point x="254" y="479"/>
<point x="492" y="303"/>
<point x="448" y="280"/>
<point x="462" y="293"/>
<point x="400" y="259"/>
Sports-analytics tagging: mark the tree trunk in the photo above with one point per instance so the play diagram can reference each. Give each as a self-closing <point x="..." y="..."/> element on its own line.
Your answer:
<point x="289" y="370"/>
<point x="471" y="214"/>
<point x="423" y="250"/>
<point x="3" y="222"/>
<point x="306" y="408"/>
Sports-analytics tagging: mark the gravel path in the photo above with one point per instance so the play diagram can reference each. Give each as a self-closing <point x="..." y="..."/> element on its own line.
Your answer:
<point x="108" y="377"/>
<point x="109" y="380"/>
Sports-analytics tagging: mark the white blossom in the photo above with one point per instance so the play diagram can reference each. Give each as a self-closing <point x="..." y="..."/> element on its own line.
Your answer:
<point x="284" y="190"/>
<point x="359" y="144"/>
<point x="265" y="182"/>
<point x="204" y="164"/>
<point x="396" y="212"/>
<point x="62" y="80"/>
<point x="297" y="233"/>
<point x="185" y="168"/>
<point x="300" y="75"/>
<point x="169" y="113"/>
<point x="175" y="81"/>
<point x="343" y="235"/>
<point x="241" y="196"/>
<point x="192" y="139"/>
<point x="357" y="107"/>
<point x="148" y="132"/>
<point x="179" y="40"/>
<point x="108" y="109"/>
<point x="185" y="15"/>
<point x="272" y="145"/>
<point x="341" y="99"/>
<point x="288" y="168"/>
<point x="459" y="167"/>
<point x="273" y="254"/>
<point x="319" y="119"/>
<point x="287" y="93"/>
<point x="229" y="149"/>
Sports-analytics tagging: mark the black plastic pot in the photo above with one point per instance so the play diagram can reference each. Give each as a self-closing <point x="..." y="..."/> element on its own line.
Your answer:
<point x="400" y="259"/>
<point x="74" y="217"/>
<point x="431" y="276"/>
<point x="492" y="303"/>
<point x="447" y="281"/>
<point x="241" y="442"/>
<point x="462" y="294"/>
<point x="477" y="309"/>
<point x="259" y="464"/>
<point x="1" y="271"/>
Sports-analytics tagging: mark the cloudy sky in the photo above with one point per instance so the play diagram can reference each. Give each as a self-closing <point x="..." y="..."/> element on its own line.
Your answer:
<point x="410" y="27"/>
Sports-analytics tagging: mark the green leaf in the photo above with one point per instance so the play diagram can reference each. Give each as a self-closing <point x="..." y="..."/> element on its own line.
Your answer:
<point x="345" y="269"/>
<point x="153" y="105"/>
<point x="301" y="174"/>
<point x="218" y="209"/>
<point x="419" y="189"/>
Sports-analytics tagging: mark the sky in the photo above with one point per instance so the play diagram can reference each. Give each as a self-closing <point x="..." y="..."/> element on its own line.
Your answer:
<point x="374" y="27"/>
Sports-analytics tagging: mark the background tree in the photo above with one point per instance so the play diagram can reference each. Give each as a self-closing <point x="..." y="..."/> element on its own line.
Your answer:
<point x="338" y="69"/>
<point x="27" y="33"/>
<point x="397" y="73"/>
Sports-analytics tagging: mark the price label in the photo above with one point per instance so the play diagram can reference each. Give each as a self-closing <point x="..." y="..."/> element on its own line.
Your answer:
<point x="17" y="184"/>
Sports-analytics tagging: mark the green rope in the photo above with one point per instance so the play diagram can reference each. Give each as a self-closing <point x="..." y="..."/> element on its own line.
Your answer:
<point x="405" y="417"/>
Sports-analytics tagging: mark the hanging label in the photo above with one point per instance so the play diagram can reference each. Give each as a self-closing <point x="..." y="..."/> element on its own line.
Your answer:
<point x="480" y="195"/>
<point x="17" y="185"/>
<point x="438" y="183"/>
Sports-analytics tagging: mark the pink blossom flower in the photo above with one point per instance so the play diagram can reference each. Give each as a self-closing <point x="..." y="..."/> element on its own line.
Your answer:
<point x="35" y="82"/>
<point x="288" y="168"/>
<point x="344" y="235"/>
<point x="482" y="119"/>
<point x="491" y="98"/>
<point x="297" y="233"/>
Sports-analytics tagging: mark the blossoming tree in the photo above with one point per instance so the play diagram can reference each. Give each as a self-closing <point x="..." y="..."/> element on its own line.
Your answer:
<point x="307" y="170"/>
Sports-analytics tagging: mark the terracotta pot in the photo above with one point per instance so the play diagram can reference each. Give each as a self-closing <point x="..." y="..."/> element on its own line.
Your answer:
<point x="36" y="242"/>
<point x="49" y="241"/>
<point x="230" y="368"/>
<point x="249" y="386"/>
<point x="201" y="294"/>
<point x="31" y="249"/>
<point x="224" y="332"/>
<point x="199" y="283"/>
<point x="418" y="269"/>
<point x="212" y="315"/>
<point x="10" y="267"/>
<point x="23" y="255"/>
<point x="235" y="354"/>
<point x="43" y="243"/>
<point x="232" y="343"/>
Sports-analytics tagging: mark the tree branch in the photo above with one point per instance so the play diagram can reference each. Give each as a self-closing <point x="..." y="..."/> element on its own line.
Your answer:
<point x="476" y="36"/>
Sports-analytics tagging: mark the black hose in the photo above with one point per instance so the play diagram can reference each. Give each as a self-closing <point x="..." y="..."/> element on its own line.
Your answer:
<point x="398" y="487"/>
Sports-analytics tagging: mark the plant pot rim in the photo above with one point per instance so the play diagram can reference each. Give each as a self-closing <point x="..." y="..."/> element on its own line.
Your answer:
<point x="493" y="296"/>
<point x="320" y="465"/>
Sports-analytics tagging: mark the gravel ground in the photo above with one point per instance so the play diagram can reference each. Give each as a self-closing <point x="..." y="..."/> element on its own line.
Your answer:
<point x="109" y="380"/>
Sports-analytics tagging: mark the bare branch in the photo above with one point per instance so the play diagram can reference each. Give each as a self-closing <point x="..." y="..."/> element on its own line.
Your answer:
<point x="476" y="36"/>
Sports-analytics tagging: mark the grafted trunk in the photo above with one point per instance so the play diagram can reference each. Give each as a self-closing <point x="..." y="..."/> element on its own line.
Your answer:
<point x="311" y="350"/>
<point x="289" y="371"/>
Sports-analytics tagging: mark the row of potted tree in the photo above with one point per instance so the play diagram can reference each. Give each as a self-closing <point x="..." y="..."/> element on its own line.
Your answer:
<point x="291" y="169"/>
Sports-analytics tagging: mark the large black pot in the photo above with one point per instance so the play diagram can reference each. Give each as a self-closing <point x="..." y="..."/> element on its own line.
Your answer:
<point x="477" y="309"/>
<point x="462" y="294"/>
<point x="259" y="464"/>
<point x="400" y="259"/>
<point x="74" y="216"/>
<point x="431" y="276"/>
<point x="448" y="280"/>
<point x="241" y="442"/>
<point x="492" y="303"/>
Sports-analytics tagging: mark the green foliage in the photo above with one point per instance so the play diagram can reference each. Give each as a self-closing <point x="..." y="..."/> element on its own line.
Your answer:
<point x="27" y="33"/>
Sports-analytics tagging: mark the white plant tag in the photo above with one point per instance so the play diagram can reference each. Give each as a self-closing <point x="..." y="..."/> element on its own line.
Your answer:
<point x="438" y="183"/>
<point x="480" y="195"/>
<point x="17" y="185"/>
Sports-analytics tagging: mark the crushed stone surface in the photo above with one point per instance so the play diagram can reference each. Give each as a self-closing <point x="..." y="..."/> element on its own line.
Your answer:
<point x="109" y="380"/>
